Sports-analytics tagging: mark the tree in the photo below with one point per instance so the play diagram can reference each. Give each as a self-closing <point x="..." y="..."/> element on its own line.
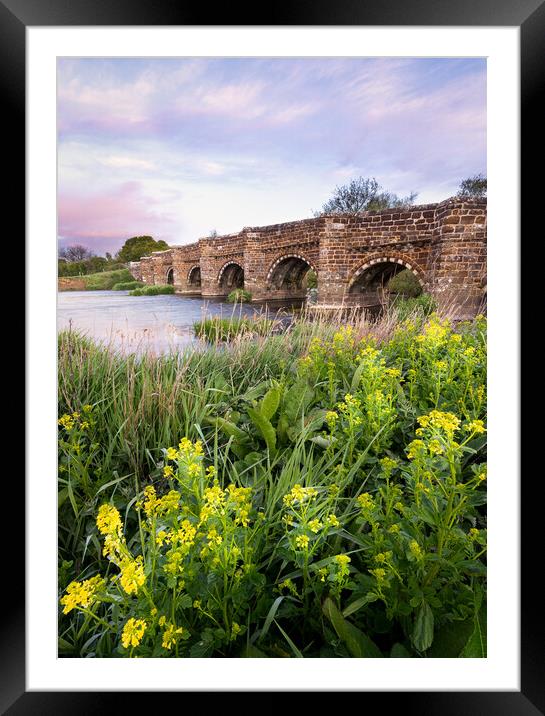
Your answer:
<point x="213" y="234"/>
<point x="472" y="187"/>
<point x="363" y="194"/>
<point x="77" y="252"/>
<point x="134" y="248"/>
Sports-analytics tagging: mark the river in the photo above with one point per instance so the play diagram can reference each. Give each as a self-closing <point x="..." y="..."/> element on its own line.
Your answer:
<point x="136" y="324"/>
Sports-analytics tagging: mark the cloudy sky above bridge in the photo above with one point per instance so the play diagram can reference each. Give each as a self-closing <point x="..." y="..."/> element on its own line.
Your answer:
<point x="178" y="147"/>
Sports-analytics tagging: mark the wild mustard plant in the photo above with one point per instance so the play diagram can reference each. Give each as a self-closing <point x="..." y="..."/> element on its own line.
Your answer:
<point x="337" y="507"/>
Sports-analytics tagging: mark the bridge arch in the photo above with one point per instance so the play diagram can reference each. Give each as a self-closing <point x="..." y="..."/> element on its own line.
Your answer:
<point x="194" y="276"/>
<point x="170" y="276"/>
<point x="369" y="279"/>
<point x="288" y="272"/>
<point x="231" y="276"/>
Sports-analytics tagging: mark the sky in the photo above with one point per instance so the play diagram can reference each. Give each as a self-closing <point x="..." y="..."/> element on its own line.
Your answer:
<point x="179" y="147"/>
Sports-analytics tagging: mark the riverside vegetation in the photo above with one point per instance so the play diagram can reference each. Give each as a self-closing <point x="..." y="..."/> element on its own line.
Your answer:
<point x="318" y="493"/>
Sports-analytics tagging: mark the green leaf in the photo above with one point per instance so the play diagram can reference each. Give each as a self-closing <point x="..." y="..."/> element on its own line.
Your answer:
<point x="270" y="616"/>
<point x="270" y="402"/>
<point x="296" y="399"/>
<point x="422" y="636"/>
<point x="357" y="377"/>
<point x="252" y="652"/>
<point x="321" y="441"/>
<point x="450" y="639"/>
<point x="72" y="499"/>
<point x="359" y="603"/>
<point x="399" y="652"/>
<point x="268" y="433"/>
<point x="292" y="645"/>
<point x="475" y="647"/>
<point x="282" y="428"/>
<point x="61" y="497"/>
<point x="357" y="643"/>
<point x="230" y="429"/>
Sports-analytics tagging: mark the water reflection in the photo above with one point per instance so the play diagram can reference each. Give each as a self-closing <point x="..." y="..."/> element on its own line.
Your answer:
<point x="136" y="324"/>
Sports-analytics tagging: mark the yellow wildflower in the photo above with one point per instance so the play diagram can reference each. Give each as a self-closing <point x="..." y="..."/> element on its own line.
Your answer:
<point x="365" y="501"/>
<point x="299" y="494"/>
<point x="109" y="520"/>
<point x="171" y="453"/>
<point x="81" y="594"/>
<point x="132" y="575"/>
<point x="383" y="557"/>
<point x="235" y="630"/>
<point x="193" y="469"/>
<point x="171" y="636"/>
<point x="133" y="631"/>
<point x="214" y="538"/>
<point x="475" y="426"/>
<point x="416" y="448"/>
<point x="302" y="541"/>
<point x="415" y="549"/>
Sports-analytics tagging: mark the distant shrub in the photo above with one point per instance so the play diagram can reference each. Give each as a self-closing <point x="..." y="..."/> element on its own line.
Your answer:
<point x="106" y="280"/>
<point x="239" y="295"/>
<point x="405" y="283"/>
<point x="127" y="286"/>
<point x="312" y="279"/>
<point x="423" y="305"/>
<point x="159" y="290"/>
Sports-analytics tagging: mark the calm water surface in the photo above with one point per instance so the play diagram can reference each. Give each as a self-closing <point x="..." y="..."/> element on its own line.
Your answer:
<point x="157" y="324"/>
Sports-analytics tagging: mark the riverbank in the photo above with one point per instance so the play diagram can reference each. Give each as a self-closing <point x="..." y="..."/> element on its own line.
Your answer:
<point x="103" y="281"/>
<point x="319" y="493"/>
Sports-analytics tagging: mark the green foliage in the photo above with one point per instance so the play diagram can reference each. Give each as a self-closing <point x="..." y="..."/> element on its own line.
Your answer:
<point x="473" y="187"/>
<point x="134" y="248"/>
<point x="90" y="265"/>
<point x="313" y="494"/>
<point x="312" y="279"/>
<point x="106" y="280"/>
<point x="239" y="295"/>
<point x="422" y="306"/>
<point x="363" y="194"/>
<point x="128" y="286"/>
<point x="216" y="329"/>
<point x="157" y="290"/>
<point x="405" y="283"/>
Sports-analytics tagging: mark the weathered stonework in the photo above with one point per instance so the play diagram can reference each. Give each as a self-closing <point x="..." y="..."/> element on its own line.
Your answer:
<point x="443" y="244"/>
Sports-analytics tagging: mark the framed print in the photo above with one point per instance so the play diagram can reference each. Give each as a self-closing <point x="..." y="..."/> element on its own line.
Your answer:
<point x="172" y="158"/>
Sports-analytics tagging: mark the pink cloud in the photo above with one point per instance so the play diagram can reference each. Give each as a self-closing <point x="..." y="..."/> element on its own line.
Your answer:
<point x="104" y="220"/>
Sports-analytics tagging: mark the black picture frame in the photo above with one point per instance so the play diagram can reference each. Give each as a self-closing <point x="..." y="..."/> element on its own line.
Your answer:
<point x="529" y="15"/>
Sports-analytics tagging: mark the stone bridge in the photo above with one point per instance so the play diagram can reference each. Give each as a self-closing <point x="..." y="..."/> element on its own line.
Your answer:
<point x="443" y="244"/>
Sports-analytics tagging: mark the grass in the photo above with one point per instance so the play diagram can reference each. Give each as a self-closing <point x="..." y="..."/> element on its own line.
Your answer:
<point x="239" y="295"/>
<point x="217" y="329"/>
<point x="157" y="290"/>
<point x="127" y="286"/>
<point x="104" y="281"/>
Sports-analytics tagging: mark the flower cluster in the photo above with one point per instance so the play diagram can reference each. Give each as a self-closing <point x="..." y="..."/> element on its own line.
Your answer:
<point x="82" y="594"/>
